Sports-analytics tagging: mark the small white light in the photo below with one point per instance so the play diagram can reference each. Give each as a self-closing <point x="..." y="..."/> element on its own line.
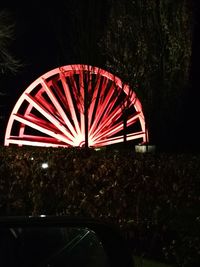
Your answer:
<point x="45" y="165"/>
<point x="42" y="215"/>
<point x="32" y="158"/>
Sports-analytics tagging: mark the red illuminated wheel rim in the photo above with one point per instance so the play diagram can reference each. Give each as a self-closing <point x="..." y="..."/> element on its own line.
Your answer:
<point x="51" y="111"/>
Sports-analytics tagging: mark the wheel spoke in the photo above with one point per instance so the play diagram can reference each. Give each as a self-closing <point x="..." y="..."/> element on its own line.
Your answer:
<point x="40" y="122"/>
<point x="115" y="128"/>
<point x="59" y="94"/>
<point x="118" y="139"/>
<point x="101" y="105"/>
<point x="46" y="114"/>
<point x="93" y="100"/>
<point x="108" y="121"/>
<point x="34" y="140"/>
<point x="58" y="106"/>
<point x="70" y="102"/>
<point x="82" y="95"/>
<point x="46" y="104"/>
<point x="42" y="129"/>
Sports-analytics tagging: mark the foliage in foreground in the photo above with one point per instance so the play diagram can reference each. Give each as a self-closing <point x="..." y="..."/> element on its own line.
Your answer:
<point x="153" y="197"/>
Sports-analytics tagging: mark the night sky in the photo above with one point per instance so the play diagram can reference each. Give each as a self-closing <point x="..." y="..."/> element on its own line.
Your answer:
<point x="47" y="38"/>
<point x="37" y="45"/>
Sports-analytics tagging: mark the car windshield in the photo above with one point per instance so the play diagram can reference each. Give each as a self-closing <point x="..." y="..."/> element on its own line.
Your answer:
<point x="50" y="246"/>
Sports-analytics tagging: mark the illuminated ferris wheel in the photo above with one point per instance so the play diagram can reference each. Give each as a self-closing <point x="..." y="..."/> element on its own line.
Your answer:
<point x="52" y="111"/>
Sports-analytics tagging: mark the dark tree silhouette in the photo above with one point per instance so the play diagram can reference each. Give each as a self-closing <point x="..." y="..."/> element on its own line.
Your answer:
<point x="149" y="43"/>
<point x="8" y="62"/>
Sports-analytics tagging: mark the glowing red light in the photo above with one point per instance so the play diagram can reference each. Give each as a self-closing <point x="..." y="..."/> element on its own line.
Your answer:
<point x="51" y="111"/>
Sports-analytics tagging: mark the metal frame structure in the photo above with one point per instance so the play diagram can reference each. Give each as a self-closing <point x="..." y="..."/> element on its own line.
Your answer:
<point x="52" y="111"/>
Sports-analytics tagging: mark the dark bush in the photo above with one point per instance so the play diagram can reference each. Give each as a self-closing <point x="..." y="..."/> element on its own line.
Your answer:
<point x="155" y="198"/>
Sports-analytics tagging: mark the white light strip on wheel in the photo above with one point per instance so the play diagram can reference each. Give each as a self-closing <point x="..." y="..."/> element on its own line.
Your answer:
<point x="101" y="106"/>
<point x="34" y="143"/>
<point x="46" y="114"/>
<point x="41" y="129"/>
<point x="93" y="101"/>
<point x="114" y="115"/>
<point x="70" y="102"/>
<point x="82" y="93"/>
<point x="119" y="139"/>
<point x="58" y="106"/>
<point x="116" y="128"/>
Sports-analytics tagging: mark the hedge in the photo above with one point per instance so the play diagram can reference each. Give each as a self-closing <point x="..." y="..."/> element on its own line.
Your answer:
<point x="155" y="198"/>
